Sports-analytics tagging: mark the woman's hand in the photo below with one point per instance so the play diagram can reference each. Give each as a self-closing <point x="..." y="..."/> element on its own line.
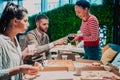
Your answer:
<point x="28" y="69"/>
<point x="38" y="65"/>
<point x="75" y="38"/>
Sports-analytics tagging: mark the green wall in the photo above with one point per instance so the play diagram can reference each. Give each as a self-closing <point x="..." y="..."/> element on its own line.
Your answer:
<point x="63" y="21"/>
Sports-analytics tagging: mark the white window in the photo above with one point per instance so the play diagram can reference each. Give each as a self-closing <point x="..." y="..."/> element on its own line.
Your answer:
<point x="52" y="4"/>
<point x="33" y="6"/>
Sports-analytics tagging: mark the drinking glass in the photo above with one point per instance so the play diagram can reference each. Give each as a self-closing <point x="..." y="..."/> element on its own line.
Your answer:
<point x="54" y="56"/>
<point x="71" y="37"/>
<point x="45" y="62"/>
<point x="77" y="69"/>
<point x="69" y="46"/>
<point x="79" y="33"/>
<point x="77" y="57"/>
<point x="64" y="57"/>
<point x="31" y="48"/>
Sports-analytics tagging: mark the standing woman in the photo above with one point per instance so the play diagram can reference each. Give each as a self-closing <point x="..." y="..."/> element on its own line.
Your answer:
<point x="89" y="29"/>
<point x="13" y="20"/>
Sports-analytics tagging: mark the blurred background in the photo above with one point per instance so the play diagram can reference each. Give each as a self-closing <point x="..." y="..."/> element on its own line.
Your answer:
<point x="36" y="6"/>
<point x="63" y="21"/>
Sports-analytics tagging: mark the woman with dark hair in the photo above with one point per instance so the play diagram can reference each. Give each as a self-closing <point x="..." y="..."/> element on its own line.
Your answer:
<point x="89" y="29"/>
<point x="14" y="20"/>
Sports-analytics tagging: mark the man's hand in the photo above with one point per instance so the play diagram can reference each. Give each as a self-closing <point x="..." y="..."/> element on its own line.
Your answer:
<point x="60" y="41"/>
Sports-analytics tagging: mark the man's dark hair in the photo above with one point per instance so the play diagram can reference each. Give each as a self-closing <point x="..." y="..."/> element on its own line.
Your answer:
<point x="40" y="16"/>
<point x="83" y="3"/>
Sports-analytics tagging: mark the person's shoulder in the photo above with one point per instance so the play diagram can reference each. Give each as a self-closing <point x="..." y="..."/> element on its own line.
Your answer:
<point x="92" y="18"/>
<point x="31" y="31"/>
<point x="3" y="38"/>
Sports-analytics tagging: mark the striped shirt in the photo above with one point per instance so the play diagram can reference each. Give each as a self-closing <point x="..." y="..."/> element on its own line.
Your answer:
<point x="90" y="31"/>
<point x="10" y="57"/>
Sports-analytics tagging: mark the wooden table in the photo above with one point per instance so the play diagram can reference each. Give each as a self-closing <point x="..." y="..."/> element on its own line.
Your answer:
<point x="55" y="75"/>
<point x="69" y="50"/>
<point x="87" y="72"/>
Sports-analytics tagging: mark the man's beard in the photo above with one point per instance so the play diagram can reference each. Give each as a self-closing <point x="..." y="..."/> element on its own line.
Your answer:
<point x="41" y="29"/>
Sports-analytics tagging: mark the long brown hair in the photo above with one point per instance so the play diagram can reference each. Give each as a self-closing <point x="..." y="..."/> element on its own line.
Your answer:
<point x="11" y="11"/>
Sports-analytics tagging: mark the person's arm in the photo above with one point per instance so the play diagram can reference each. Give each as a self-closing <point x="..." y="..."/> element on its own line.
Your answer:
<point x="32" y="39"/>
<point x="6" y="73"/>
<point x="26" y="69"/>
<point x="48" y="46"/>
<point x="60" y="41"/>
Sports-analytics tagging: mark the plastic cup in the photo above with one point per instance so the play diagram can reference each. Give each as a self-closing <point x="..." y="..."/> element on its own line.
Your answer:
<point x="77" y="57"/>
<point x="71" y="37"/>
<point x="77" y="69"/>
<point x="54" y="56"/>
<point x="31" y="48"/>
<point x="64" y="57"/>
